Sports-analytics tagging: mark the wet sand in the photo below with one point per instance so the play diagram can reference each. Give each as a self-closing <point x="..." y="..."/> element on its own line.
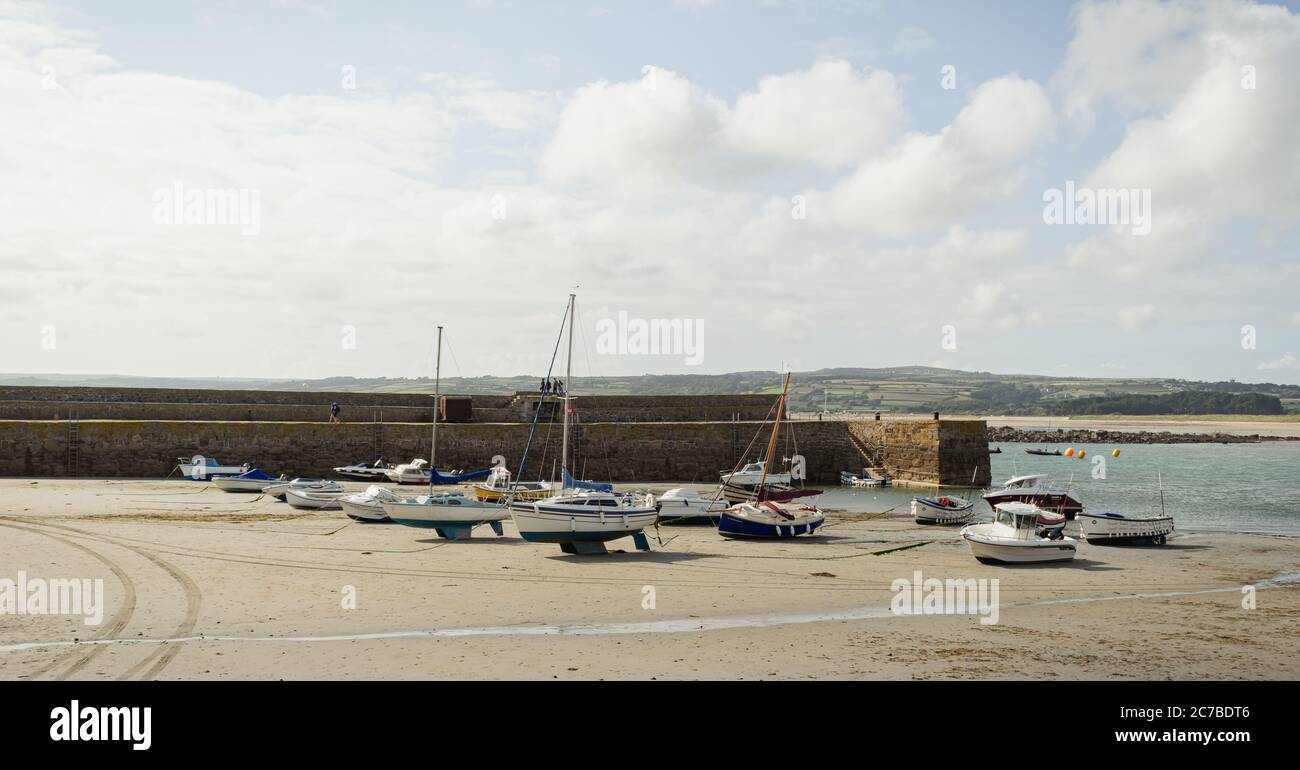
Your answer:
<point x="248" y="588"/>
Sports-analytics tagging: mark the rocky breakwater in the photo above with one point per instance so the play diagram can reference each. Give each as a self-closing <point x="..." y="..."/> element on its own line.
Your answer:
<point x="1081" y="436"/>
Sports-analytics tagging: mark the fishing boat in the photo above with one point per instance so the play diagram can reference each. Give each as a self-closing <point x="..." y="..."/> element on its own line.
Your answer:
<point x="251" y="481"/>
<point x="685" y="506"/>
<point x="313" y="499"/>
<point x="763" y="517"/>
<point x="1014" y="537"/>
<point x="498" y="487"/>
<point x="453" y="515"/>
<point x="997" y="450"/>
<point x="1044" y="452"/>
<point x="278" y="489"/>
<point x="581" y="521"/>
<point x="204" y="467"/>
<point x="1118" y="529"/>
<point x="943" y="509"/>
<point x="367" y="505"/>
<point x="1035" y="490"/>
<point x="376" y="471"/>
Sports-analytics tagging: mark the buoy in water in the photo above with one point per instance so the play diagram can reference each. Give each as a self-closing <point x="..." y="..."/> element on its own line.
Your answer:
<point x="1069" y="452"/>
<point x="1082" y="453"/>
<point x="1114" y="453"/>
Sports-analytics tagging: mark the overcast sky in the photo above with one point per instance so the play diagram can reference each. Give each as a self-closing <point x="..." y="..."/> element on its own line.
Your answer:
<point x="812" y="184"/>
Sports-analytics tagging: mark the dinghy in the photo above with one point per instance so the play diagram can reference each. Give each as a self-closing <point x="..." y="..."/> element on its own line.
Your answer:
<point x="368" y="505"/>
<point x="453" y="515"/>
<point x="763" y="516"/>
<point x="864" y="479"/>
<point x="252" y="481"/>
<point x="1014" y="537"/>
<point x="205" y="467"/>
<point x="278" y="489"/>
<point x="944" y="509"/>
<point x="310" y="499"/>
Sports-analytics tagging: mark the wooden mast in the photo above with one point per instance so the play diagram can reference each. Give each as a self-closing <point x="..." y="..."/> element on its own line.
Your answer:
<point x="771" y="444"/>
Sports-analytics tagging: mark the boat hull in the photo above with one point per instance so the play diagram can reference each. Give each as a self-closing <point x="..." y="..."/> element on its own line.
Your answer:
<point x="1028" y="551"/>
<point x="1060" y="502"/>
<point x="314" y="502"/>
<point x="367" y="512"/>
<point x="539" y="524"/>
<point x="490" y="495"/>
<point x="762" y="524"/>
<point x="232" y="484"/>
<point x="1109" y="530"/>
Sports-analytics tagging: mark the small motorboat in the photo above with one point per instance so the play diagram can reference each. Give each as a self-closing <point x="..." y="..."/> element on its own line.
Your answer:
<point x="368" y="505"/>
<point x="313" y="499"/>
<point x="944" y="509"/>
<point x="685" y="506"/>
<point x="582" y="521"/>
<point x="997" y="450"/>
<point x="1015" y="537"/>
<point x="453" y="515"/>
<point x="498" y="487"/>
<point x="278" y="489"/>
<point x="251" y="481"/>
<point x="1035" y="490"/>
<point x="414" y="472"/>
<point x="769" y="519"/>
<point x="376" y="471"/>
<point x="751" y="475"/>
<point x="864" y="479"/>
<point x="1044" y="452"/>
<point x="1118" y="529"/>
<point x="204" y="467"/>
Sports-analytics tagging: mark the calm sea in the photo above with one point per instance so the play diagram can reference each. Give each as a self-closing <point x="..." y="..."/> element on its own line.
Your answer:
<point x="1207" y="487"/>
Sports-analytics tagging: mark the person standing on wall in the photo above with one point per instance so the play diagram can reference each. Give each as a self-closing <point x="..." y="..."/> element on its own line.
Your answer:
<point x="334" y="412"/>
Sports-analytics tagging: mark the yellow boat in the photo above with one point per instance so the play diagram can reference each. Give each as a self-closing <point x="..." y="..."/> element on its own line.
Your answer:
<point x="498" y="487"/>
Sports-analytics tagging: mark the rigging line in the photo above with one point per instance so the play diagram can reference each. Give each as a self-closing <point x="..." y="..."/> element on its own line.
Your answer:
<point x="542" y="398"/>
<point x="447" y="338"/>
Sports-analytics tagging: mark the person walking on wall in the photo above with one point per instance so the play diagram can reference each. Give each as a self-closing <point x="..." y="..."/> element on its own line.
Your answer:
<point x="334" y="412"/>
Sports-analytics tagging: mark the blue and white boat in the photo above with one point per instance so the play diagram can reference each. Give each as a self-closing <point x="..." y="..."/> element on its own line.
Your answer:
<point x="205" y="467"/>
<point x="453" y="515"/>
<point x="764" y="518"/>
<point x="254" y="480"/>
<point x="943" y="509"/>
<point x="580" y="520"/>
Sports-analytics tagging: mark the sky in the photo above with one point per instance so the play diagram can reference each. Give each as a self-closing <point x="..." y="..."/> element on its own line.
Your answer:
<point x="304" y="189"/>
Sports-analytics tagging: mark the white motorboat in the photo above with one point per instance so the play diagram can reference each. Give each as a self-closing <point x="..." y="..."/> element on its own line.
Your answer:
<point x="751" y="474"/>
<point x="310" y="499"/>
<point x="414" y="472"/>
<point x="368" y="505"/>
<point x="1115" y="528"/>
<point x="1015" y="537"/>
<point x="943" y="509"/>
<point x="251" y="481"/>
<point x="279" y="488"/>
<point x="1035" y="490"/>
<point x="452" y="515"/>
<point x="686" y="506"/>
<point x="205" y="467"/>
<point x="376" y="471"/>
<point x="498" y="488"/>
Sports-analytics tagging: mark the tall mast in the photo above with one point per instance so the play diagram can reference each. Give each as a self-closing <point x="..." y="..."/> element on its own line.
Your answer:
<point x="568" y="379"/>
<point x="771" y="444"/>
<point x="437" y="407"/>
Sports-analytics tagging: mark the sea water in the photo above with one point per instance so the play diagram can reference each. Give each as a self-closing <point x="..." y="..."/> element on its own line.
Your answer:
<point x="1207" y="487"/>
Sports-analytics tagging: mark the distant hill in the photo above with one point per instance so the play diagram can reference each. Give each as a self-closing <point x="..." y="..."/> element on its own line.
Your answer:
<point x="915" y="389"/>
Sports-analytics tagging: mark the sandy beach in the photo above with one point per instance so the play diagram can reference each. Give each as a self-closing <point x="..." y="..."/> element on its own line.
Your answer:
<point x="248" y="588"/>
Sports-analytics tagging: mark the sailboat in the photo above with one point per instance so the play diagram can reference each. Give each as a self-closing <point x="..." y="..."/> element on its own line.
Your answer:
<point x="580" y="519"/>
<point x="453" y="515"/>
<point x="762" y="517"/>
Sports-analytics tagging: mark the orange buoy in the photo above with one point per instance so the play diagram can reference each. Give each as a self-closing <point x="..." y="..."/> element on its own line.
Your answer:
<point x="1069" y="452"/>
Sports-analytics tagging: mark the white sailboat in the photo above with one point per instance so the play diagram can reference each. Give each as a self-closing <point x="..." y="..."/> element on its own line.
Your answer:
<point x="581" y="521"/>
<point x="453" y="515"/>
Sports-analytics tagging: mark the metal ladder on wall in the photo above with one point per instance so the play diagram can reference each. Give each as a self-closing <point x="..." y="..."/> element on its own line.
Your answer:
<point x="379" y="435"/>
<point x="74" y="445"/>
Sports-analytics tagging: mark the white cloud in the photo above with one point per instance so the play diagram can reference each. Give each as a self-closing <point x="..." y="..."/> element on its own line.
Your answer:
<point x="1286" y="361"/>
<point x="1137" y="318"/>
